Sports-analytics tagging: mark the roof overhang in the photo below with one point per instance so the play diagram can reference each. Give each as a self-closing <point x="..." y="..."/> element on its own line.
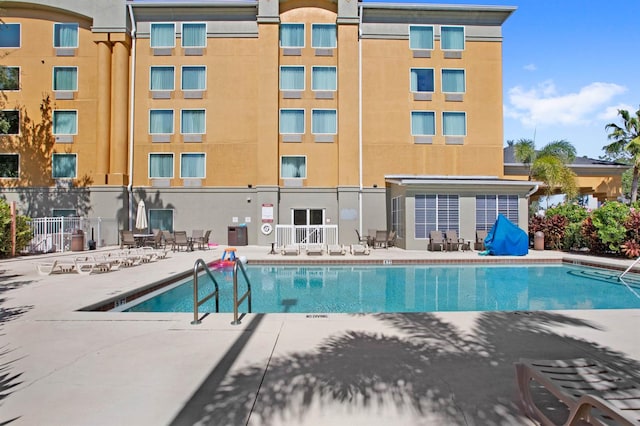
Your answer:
<point x="464" y="183"/>
<point x="520" y="169"/>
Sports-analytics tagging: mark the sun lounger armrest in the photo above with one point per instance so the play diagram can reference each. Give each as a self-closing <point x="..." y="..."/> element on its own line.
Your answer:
<point x="584" y="408"/>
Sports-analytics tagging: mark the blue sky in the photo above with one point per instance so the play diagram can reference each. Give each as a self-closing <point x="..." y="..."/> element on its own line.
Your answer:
<point x="568" y="65"/>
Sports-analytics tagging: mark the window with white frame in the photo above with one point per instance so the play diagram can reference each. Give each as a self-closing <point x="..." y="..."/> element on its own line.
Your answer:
<point x="489" y="206"/>
<point x="420" y="37"/>
<point x="292" y="78"/>
<point x="423" y="123"/>
<point x="194" y="34"/>
<point x="163" y="35"/>
<point x="9" y="35"/>
<point x="161" y="78"/>
<point x="192" y="165"/>
<point x="161" y="165"/>
<point x="9" y="122"/>
<point x="63" y="213"/>
<point x="422" y="80"/>
<point x="194" y="77"/>
<point x="9" y="166"/>
<point x="293" y="167"/>
<point x="397" y="216"/>
<point x="436" y="212"/>
<point x="291" y="35"/>
<point x="291" y="121"/>
<point x="161" y="219"/>
<point x="192" y="121"/>
<point x="454" y="123"/>
<point x="9" y="78"/>
<point x="161" y="121"/>
<point x="65" y="79"/>
<point x="65" y="35"/>
<point x="324" y="78"/>
<point x="324" y="121"/>
<point x="453" y="81"/>
<point x="323" y="36"/>
<point x="451" y="38"/>
<point x="64" y="166"/>
<point x="65" y="122"/>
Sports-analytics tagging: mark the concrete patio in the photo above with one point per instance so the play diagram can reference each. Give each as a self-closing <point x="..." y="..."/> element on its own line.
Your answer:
<point x="62" y="366"/>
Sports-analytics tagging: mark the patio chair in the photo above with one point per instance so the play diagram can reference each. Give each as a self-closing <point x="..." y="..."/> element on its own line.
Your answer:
<point x="359" y="249"/>
<point x="391" y="239"/>
<point x="156" y="241"/>
<point x="168" y="238"/>
<point x="180" y="240"/>
<point x="592" y="392"/>
<point x="364" y="239"/>
<point x="314" y="249"/>
<point x="292" y="249"/>
<point x="480" y="236"/>
<point x="453" y="243"/>
<point x="197" y="234"/>
<point x="381" y="239"/>
<point x="203" y="242"/>
<point x="436" y="241"/>
<point x="336" y="249"/>
<point x="127" y="239"/>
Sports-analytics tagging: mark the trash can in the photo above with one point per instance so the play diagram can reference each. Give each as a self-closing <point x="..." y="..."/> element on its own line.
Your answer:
<point x="77" y="240"/>
<point x="237" y="236"/>
<point x="538" y="241"/>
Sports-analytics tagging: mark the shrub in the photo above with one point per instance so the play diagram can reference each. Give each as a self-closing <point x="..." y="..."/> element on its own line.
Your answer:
<point x="23" y="230"/>
<point x="574" y="212"/>
<point x="553" y="228"/>
<point x="608" y="221"/>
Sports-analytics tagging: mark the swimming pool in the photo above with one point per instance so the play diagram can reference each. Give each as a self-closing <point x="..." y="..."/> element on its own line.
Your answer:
<point x="408" y="288"/>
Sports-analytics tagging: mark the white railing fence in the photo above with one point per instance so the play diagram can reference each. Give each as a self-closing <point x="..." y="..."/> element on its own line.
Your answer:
<point x="54" y="234"/>
<point x="302" y="235"/>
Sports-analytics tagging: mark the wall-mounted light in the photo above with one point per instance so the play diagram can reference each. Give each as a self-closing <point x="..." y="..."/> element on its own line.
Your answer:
<point x="249" y="186"/>
<point x="375" y="185"/>
<point x="248" y="199"/>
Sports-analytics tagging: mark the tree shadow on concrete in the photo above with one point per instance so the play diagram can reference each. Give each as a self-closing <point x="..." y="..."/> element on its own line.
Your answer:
<point x="430" y="368"/>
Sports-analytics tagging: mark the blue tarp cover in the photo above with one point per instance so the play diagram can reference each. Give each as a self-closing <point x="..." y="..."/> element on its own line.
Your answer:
<point x="506" y="239"/>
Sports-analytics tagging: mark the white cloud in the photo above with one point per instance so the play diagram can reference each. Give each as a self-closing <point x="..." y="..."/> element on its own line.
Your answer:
<point x="543" y="105"/>
<point x="530" y="67"/>
<point x="611" y="113"/>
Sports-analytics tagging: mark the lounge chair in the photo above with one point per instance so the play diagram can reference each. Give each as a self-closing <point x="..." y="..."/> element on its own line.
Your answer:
<point x="454" y="243"/>
<point x="180" y="240"/>
<point x="316" y="249"/>
<point x="127" y="239"/>
<point x="592" y="392"/>
<point x="98" y="263"/>
<point x="436" y="241"/>
<point x="336" y="249"/>
<point x="359" y="249"/>
<point x="290" y="249"/>
<point x="480" y="236"/>
<point x="63" y="266"/>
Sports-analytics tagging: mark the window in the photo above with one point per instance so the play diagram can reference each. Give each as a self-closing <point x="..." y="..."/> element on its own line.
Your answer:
<point x="489" y="206"/>
<point x="453" y="81"/>
<point x="9" y="35"/>
<point x="65" y="78"/>
<point x="9" y="166"/>
<point x="192" y="165"/>
<point x="422" y="80"/>
<point x="438" y="212"/>
<point x="420" y="37"/>
<point x="9" y="78"/>
<point x="291" y="78"/>
<point x="293" y="167"/>
<point x="63" y="166"/>
<point x="452" y="38"/>
<point x="161" y="78"/>
<point x="163" y="35"/>
<point x="194" y="35"/>
<point x="63" y="213"/>
<point x="423" y="123"/>
<point x="194" y="78"/>
<point x="324" y="78"/>
<point x="192" y="121"/>
<point x="291" y="35"/>
<point x="161" y="219"/>
<point x="160" y="166"/>
<point x="454" y="123"/>
<point x="9" y="122"/>
<point x="324" y="121"/>
<point x="323" y="36"/>
<point x="160" y="121"/>
<point x="65" y="35"/>
<point x="397" y="216"/>
<point x="291" y="121"/>
<point x="65" y="122"/>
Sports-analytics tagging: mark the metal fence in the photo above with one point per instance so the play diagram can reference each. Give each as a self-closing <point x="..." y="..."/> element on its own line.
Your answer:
<point x="55" y="234"/>
<point x="306" y="234"/>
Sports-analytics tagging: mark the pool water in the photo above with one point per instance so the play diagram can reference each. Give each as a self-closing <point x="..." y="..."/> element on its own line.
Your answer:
<point x="415" y="288"/>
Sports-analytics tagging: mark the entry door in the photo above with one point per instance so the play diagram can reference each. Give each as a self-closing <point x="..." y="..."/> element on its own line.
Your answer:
<point x="308" y="224"/>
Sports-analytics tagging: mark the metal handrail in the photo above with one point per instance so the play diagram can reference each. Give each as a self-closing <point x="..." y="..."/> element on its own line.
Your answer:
<point x="629" y="268"/>
<point x="236" y="302"/>
<point x="196" y="303"/>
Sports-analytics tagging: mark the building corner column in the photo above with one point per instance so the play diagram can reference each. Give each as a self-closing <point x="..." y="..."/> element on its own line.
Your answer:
<point x="118" y="171"/>
<point x="103" y="119"/>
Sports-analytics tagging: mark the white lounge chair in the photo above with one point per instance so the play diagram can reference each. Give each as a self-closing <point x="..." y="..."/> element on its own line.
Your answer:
<point x="314" y="249"/>
<point x="592" y="392"/>
<point x="359" y="249"/>
<point x="292" y="249"/>
<point x="335" y="249"/>
<point x="64" y="266"/>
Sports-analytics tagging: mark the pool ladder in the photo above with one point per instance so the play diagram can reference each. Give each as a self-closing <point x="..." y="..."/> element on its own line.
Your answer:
<point x="237" y="265"/>
<point x="628" y="269"/>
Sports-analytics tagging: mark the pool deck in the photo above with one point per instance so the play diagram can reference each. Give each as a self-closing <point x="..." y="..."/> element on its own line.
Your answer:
<point x="62" y="366"/>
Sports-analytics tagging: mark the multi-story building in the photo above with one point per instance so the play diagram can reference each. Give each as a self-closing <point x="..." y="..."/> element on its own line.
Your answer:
<point x="333" y="113"/>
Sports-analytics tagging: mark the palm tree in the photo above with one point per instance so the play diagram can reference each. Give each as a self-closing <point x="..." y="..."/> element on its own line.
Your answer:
<point x="626" y="141"/>
<point x="549" y="164"/>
